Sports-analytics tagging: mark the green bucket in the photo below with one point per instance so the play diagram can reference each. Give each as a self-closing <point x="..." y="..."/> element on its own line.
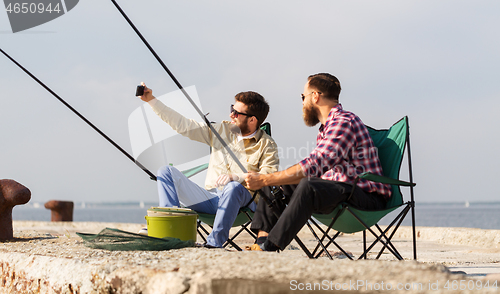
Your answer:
<point x="172" y="222"/>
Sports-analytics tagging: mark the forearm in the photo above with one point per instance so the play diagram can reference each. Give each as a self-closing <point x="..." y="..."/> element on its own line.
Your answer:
<point x="187" y="127"/>
<point x="177" y="121"/>
<point x="237" y="177"/>
<point x="290" y="176"/>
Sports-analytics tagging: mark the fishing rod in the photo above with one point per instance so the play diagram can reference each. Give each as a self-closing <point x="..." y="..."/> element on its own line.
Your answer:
<point x="204" y="117"/>
<point x="153" y="177"/>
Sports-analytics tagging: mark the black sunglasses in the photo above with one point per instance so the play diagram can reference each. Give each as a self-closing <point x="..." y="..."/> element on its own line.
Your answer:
<point x="236" y="113"/>
<point x="304" y="96"/>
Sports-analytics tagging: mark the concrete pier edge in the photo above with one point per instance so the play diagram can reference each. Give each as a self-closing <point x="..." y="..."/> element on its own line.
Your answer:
<point x="48" y="257"/>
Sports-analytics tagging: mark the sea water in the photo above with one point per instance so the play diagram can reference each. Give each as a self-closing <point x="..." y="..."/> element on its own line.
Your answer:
<point x="483" y="215"/>
<point x="89" y="212"/>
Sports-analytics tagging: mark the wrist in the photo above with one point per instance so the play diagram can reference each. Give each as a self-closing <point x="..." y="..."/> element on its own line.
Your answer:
<point x="265" y="180"/>
<point x="151" y="101"/>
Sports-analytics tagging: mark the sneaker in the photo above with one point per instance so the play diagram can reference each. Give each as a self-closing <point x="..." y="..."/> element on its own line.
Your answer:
<point x="143" y="231"/>
<point x="269" y="246"/>
<point x="254" y="247"/>
<point x="209" y="246"/>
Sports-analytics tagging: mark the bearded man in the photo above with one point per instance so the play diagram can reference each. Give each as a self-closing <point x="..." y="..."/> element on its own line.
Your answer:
<point x="225" y="191"/>
<point x="325" y="178"/>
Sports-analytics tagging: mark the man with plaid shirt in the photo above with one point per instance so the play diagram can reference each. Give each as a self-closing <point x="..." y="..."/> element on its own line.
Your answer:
<point x="344" y="149"/>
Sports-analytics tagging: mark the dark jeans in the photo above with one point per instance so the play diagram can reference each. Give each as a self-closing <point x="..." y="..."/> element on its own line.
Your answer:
<point x="311" y="195"/>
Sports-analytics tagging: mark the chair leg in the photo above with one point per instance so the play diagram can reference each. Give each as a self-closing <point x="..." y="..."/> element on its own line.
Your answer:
<point x="413" y="229"/>
<point x="399" y="219"/>
<point x="393" y="249"/>
<point x="389" y="243"/>
<point x="251" y="233"/>
<point x="320" y="243"/>
<point x="246" y="226"/>
<point x="325" y="235"/>
<point x="303" y="247"/>
<point x="378" y="238"/>
<point x="231" y="239"/>
<point x="233" y="244"/>
<point x="200" y="228"/>
<point x="331" y="240"/>
<point x="364" y="243"/>
<point x="243" y="228"/>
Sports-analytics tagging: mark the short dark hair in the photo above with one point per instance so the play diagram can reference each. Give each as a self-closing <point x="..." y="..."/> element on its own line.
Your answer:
<point x="327" y="84"/>
<point x="257" y="105"/>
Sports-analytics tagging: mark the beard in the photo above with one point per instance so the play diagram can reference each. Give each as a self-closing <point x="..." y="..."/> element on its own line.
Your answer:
<point x="310" y="115"/>
<point x="242" y="128"/>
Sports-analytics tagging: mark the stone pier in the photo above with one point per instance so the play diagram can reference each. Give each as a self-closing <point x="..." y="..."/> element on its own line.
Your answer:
<point x="47" y="257"/>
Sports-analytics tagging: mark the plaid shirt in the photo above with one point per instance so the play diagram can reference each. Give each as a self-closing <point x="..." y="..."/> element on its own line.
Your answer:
<point x="344" y="149"/>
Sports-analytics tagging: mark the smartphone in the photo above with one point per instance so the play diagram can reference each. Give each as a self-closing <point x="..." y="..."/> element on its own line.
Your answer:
<point x="139" y="91"/>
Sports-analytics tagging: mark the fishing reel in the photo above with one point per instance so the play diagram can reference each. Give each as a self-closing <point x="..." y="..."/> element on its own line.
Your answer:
<point x="277" y="193"/>
<point x="278" y="199"/>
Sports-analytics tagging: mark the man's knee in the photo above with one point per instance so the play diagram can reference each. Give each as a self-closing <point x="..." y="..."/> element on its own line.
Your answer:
<point x="165" y="171"/>
<point x="233" y="187"/>
<point x="234" y="191"/>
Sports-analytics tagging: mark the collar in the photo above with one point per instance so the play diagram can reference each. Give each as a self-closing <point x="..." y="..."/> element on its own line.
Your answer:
<point x="333" y="112"/>
<point x="249" y="136"/>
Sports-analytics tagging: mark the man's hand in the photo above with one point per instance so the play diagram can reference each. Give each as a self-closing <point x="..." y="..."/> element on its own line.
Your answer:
<point x="222" y="180"/>
<point x="291" y="175"/>
<point x="148" y="94"/>
<point x="254" y="180"/>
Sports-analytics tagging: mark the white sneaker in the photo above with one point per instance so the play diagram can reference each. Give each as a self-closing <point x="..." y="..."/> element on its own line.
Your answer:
<point x="143" y="231"/>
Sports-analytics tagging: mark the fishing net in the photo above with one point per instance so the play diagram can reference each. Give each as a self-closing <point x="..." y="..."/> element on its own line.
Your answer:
<point x="117" y="240"/>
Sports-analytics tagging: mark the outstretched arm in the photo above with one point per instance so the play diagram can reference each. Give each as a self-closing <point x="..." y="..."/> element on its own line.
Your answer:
<point x="190" y="128"/>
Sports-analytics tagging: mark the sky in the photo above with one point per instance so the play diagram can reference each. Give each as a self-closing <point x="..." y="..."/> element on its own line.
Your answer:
<point x="434" y="61"/>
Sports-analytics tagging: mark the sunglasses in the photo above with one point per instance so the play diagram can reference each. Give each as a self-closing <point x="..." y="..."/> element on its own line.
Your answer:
<point x="237" y="113"/>
<point x="304" y="96"/>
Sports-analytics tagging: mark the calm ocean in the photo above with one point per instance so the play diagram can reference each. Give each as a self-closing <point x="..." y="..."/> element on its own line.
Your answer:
<point x="483" y="215"/>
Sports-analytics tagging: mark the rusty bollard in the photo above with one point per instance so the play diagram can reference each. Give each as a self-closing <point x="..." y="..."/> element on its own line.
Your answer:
<point x="11" y="194"/>
<point x="62" y="211"/>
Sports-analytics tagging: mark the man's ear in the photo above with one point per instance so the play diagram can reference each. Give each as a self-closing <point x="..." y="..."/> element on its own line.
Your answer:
<point x="254" y="121"/>
<point x="316" y="97"/>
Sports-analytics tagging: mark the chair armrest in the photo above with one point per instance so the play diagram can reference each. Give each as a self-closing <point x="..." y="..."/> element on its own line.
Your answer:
<point x="195" y="170"/>
<point x="384" y="180"/>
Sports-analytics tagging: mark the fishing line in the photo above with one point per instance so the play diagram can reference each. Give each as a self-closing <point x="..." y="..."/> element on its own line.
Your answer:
<point x="204" y="117"/>
<point x="153" y="177"/>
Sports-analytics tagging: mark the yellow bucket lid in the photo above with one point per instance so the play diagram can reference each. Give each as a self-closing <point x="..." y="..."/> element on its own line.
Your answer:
<point x="166" y="211"/>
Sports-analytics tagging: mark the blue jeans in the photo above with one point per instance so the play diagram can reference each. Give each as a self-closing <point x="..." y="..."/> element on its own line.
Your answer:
<point x="175" y="189"/>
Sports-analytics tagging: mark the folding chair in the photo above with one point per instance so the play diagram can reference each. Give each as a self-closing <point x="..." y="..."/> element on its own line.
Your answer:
<point x="243" y="220"/>
<point x="391" y="145"/>
<point x="245" y="215"/>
